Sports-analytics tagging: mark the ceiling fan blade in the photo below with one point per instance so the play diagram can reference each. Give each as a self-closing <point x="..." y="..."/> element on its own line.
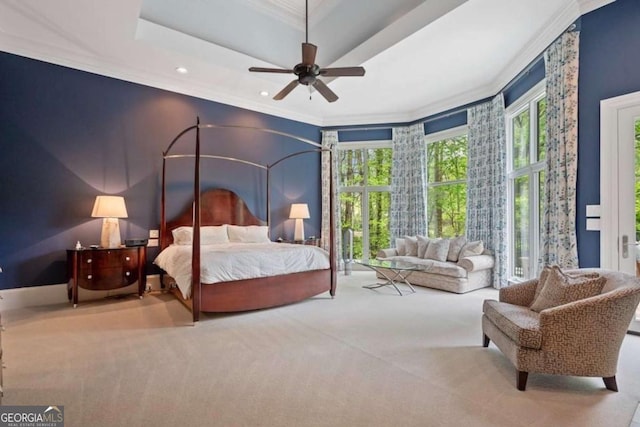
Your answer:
<point x="309" y="53"/>
<point x="270" y="70"/>
<point x="342" y="72"/>
<point x="284" y="92"/>
<point x="325" y="91"/>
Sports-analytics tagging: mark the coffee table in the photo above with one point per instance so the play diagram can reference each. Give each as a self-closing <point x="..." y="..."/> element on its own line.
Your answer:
<point x="395" y="272"/>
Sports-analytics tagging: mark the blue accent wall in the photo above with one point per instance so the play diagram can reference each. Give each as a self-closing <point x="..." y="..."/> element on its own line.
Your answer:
<point x="67" y="136"/>
<point x="534" y="74"/>
<point x="382" y="134"/>
<point x="609" y="64"/>
<point x="449" y="121"/>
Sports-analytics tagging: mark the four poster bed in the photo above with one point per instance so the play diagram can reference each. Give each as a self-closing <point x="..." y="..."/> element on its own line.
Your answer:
<point x="217" y="256"/>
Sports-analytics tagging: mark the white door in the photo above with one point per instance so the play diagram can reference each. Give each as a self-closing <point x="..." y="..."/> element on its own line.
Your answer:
<point x="621" y="207"/>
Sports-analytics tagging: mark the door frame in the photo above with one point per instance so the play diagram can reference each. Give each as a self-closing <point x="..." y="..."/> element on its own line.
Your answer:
<point x="610" y="110"/>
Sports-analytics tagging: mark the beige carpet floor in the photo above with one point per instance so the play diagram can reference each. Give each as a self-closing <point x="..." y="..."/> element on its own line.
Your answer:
<point x="365" y="358"/>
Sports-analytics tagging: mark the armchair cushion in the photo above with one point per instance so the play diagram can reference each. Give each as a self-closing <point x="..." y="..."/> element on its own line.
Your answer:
<point x="560" y="288"/>
<point x="519" y="323"/>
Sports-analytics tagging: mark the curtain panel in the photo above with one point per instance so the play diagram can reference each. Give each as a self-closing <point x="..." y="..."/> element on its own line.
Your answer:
<point x="487" y="182"/>
<point x="408" y="182"/>
<point x="329" y="176"/>
<point x="558" y="242"/>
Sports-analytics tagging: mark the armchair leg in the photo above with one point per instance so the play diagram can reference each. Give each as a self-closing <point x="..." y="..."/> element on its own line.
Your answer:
<point x="522" y="380"/>
<point x="485" y="341"/>
<point x="610" y="383"/>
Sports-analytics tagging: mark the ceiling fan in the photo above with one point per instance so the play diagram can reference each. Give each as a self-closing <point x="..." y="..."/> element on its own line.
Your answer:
<point x="308" y="71"/>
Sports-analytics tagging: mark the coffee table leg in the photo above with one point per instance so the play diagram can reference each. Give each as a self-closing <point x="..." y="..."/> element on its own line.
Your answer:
<point x="390" y="280"/>
<point x="404" y="279"/>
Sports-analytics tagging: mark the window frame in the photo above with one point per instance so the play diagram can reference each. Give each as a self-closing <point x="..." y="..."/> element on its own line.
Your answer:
<point x="437" y="137"/>
<point x="532" y="170"/>
<point x="365" y="189"/>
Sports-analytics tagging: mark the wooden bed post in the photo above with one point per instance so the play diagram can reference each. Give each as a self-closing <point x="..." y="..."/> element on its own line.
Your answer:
<point x="195" y="253"/>
<point x="332" y="231"/>
<point x="163" y="213"/>
<point x="269" y="200"/>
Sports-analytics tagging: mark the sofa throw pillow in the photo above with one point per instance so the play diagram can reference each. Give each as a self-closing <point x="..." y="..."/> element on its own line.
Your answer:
<point x="411" y="245"/>
<point x="437" y="250"/>
<point x="423" y="243"/>
<point x="401" y="248"/>
<point x="544" y="274"/>
<point x="455" y="246"/>
<point x="471" y="248"/>
<point x="560" y="288"/>
<point x="541" y="281"/>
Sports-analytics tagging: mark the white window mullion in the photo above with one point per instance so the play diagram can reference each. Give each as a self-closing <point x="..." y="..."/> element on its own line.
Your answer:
<point x="532" y="172"/>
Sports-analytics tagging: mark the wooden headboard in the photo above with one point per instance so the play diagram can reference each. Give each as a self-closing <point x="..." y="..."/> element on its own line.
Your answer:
<point x="217" y="206"/>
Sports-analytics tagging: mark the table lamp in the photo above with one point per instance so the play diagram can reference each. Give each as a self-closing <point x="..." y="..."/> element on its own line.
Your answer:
<point x="299" y="211"/>
<point x="110" y="208"/>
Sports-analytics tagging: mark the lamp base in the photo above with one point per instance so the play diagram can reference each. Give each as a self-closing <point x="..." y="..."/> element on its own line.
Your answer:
<point x="110" y="237"/>
<point x="298" y="234"/>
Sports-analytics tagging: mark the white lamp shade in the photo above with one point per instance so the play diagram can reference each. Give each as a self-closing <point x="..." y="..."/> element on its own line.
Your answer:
<point x="299" y="211"/>
<point x="109" y="207"/>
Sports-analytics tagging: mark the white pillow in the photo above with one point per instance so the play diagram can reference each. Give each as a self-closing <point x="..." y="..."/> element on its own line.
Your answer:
<point x="471" y="249"/>
<point x="455" y="246"/>
<point x="248" y="234"/>
<point x="411" y="245"/>
<point x="401" y="247"/>
<point x="423" y="244"/>
<point x="437" y="249"/>
<point x="182" y="235"/>
<point x="213" y="235"/>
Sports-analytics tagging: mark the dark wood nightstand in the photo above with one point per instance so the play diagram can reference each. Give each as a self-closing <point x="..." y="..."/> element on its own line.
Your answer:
<point x="106" y="269"/>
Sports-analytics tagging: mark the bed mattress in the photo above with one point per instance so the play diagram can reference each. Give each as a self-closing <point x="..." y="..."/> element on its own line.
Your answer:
<point x="237" y="261"/>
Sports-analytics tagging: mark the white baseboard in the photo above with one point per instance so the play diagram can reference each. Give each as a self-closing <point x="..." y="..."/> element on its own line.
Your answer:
<point x="35" y="296"/>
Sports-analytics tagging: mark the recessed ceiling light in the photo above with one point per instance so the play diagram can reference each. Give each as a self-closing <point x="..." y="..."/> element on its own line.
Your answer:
<point x="264" y="93"/>
<point x="181" y="70"/>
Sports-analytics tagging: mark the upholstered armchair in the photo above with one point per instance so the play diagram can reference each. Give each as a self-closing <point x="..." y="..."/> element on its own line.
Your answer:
<point x="580" y="338"/>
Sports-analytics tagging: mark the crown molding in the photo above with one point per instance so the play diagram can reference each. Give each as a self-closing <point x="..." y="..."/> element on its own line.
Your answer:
<point x="537" y="46"/>
<point x="587" y="6"/>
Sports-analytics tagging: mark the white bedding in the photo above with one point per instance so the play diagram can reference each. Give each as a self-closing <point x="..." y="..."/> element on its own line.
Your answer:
<point x="236" y="261"/>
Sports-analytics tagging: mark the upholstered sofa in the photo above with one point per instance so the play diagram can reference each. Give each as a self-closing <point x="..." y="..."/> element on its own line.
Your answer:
<point x="569" y="333"/>
<point x="455" y="265"/>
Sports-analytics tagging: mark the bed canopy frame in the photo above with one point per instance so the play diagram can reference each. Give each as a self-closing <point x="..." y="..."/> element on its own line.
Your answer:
<point x="196" y="220"/>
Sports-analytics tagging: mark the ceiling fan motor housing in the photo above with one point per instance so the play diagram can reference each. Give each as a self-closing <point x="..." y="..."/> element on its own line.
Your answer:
<point x="306" y="73"/>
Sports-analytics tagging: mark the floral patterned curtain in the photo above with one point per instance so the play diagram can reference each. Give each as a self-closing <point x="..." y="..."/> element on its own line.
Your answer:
<point x="408" y="182"/>
<point x="330" y="141"/>
<point x="487" y="182"/>
<point x="558" y="243"/>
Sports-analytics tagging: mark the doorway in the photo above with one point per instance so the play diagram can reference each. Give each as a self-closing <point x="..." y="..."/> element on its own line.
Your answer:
<point x="620" y="187"/>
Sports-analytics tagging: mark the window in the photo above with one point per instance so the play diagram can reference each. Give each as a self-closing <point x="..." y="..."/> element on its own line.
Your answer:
<point x="365" y="194"/>
<point x="526" y="133"/>
<point x="447" y="182"/>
